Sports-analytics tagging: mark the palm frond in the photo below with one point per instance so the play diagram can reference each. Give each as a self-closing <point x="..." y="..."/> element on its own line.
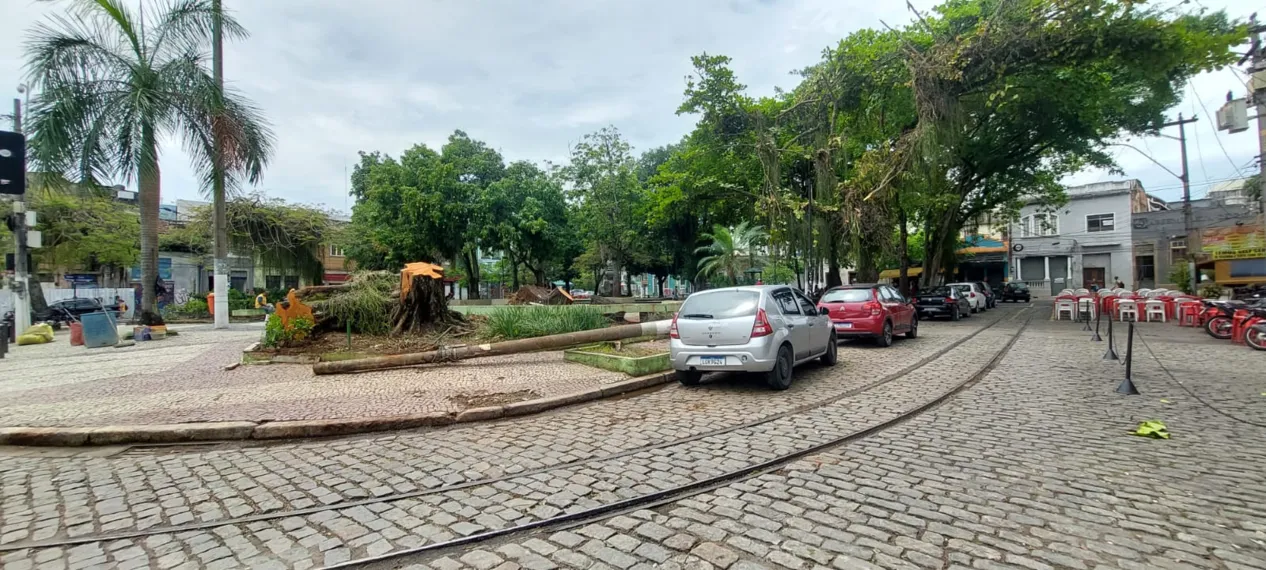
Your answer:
<point x="186" y="25"/>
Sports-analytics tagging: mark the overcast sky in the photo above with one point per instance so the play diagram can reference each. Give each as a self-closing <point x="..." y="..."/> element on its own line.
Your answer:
<point x="531" y="77"/>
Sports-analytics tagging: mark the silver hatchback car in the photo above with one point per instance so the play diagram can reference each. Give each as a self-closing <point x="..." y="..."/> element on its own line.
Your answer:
<point x="767" y="329"/>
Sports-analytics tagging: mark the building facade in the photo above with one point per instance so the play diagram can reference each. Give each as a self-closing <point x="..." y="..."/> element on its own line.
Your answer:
<point x="1227" y="241"/>
<point x="1085" y="242"/>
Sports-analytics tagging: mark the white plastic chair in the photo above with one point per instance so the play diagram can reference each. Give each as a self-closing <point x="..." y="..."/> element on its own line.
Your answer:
<point x="1082" y="291"/>
<point x="1065" y="292"/>
<point x="1065" y="306"/>
<point x="1154" y="308"/>
<point x="1128" y="307"/>
<point x="1143" y="292"/>
<point x="1087" y="306"/>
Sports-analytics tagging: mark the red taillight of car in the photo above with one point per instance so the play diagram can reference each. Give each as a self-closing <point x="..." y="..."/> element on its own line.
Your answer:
<point x="874" y="308"/>
<point x="973" y="295"/>
<point x="949" y="300"/>
<point x="761" y="326"/>
<point x="672" y="329"/>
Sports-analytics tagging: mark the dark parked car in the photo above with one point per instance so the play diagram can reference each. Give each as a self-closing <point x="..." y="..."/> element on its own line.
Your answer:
<point x="68" y="310"/>
<point x="943" y="301"/>
<point x="1015" y="292"/>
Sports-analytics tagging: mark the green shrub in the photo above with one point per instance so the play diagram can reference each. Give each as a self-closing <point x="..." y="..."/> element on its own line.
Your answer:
<point x="193" y="308"/>
<point x="1180" y="276"/>
<point x="277" y="335"/>
<point x="1211" y="291"/>
<point x="533" y="321"/>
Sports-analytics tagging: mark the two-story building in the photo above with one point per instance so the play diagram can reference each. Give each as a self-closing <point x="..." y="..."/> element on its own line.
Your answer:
<point x="1227" y="240"/>
<point x="1086" y="241"/>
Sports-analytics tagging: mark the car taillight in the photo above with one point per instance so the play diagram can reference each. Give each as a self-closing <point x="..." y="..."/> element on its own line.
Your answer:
<point x="973" y="295"/>
<point x="761" y="326"/>
<point x="672" y="329"/>
<point x="874" y="308"/>
<point x="949" y="300"/>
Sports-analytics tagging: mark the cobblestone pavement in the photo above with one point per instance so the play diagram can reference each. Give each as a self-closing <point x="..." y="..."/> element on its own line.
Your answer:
<point x="182" y="379"/>
<point x="1030" y="467"/>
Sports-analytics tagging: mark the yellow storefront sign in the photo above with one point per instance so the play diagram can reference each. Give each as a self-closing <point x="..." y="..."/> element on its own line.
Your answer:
<point x="1234" y="242"/>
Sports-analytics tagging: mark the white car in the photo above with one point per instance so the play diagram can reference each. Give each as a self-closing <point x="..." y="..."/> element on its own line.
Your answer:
<point x="766" y="329"/>
<point x="976" y="298"/>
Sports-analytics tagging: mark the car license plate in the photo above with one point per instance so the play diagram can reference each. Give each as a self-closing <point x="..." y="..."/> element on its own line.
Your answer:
<point x="843" y="325"/>
<point x="712" y="360"/>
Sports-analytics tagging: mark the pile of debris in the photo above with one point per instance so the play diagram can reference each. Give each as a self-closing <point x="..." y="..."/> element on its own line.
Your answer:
<point x="533" y="295"/>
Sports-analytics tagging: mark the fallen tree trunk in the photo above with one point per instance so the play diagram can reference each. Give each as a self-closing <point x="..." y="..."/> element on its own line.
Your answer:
<point x="317" y="289"/>
<point x="494" y="349"/>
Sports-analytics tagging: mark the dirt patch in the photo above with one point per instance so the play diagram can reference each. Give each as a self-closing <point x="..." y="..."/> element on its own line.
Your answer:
<point x="480" y="400"/>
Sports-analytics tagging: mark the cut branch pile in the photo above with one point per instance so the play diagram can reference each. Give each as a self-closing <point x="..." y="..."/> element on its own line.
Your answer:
<point x="533" y="295"/>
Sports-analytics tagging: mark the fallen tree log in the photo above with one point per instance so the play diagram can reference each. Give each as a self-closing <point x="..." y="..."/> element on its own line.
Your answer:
<point x="509" y="347"/>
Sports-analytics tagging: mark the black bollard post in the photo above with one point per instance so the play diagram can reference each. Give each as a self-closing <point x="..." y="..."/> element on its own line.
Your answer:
<point x="1098" y="317"/>
<point x="1127" y="386"/>
<point x="1112" y="344"/>
<point x="4" y="339"/>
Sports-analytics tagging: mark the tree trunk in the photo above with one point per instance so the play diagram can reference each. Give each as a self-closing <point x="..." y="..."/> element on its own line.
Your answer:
<point x="514" y="272"/>
<point x="149" y="185"/>
<point x="509" y="347"/>
<point x="833" y="278"/>
<point x="471" y="260"/>
<point x="628" y="281"/>
<point x="425" y="305"/>
<point x="904" y="284"/>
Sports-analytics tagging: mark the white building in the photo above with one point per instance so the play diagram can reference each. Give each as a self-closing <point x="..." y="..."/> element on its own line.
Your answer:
<point x="1083" y="242"/>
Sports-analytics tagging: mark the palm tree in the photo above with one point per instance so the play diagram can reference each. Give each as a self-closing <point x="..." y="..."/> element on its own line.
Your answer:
<point x="728" y="248"/>
<point x="112" y="82"/>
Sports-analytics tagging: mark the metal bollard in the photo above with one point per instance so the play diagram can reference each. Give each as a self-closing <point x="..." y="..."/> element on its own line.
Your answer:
<point x="1127" y="386"/>
<point x="4" y="339"/>
<point x="1098" y="317"/>
<point x="1111" y="354"/>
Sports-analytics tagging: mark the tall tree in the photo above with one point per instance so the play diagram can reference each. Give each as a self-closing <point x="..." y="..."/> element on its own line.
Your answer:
<point x="604" y="184"/>
<point x="111" y="85"/>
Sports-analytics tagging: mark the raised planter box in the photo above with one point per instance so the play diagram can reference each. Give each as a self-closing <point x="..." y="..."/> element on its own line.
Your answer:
<point x="631" y="365"/>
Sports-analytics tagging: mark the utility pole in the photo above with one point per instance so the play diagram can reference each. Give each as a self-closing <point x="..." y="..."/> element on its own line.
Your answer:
<point x="1258" y="98"/>
<point x="21" y="273"/>
<point x="1186" y="199"/>
<point x="221" y="264"/>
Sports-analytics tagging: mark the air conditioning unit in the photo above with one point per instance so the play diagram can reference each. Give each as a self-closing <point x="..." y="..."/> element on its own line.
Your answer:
<point x="1233" y="116"/>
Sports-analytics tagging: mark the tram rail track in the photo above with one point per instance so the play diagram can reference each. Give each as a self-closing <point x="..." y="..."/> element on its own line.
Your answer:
<point x="596" y="512"/>
<point x="684" y="491"/>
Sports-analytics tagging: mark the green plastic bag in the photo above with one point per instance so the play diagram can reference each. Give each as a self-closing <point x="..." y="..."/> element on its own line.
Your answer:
<point x="1152" y="428"/>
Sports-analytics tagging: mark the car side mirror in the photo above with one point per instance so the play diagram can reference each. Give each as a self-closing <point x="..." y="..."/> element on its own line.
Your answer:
<point x="824" y="311"/>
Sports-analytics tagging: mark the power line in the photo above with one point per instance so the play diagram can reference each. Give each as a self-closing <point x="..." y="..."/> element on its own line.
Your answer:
<point x="1216" y="137"/>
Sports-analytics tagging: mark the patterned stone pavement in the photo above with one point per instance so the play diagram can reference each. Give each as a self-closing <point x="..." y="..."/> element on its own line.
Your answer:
<point x="182" y="379"/>
<point x="1029" y="467"/>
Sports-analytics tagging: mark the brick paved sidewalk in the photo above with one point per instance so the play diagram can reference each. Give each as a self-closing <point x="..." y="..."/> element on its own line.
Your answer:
<point x="182" y="379"/>
<point x="1032" y="468"/>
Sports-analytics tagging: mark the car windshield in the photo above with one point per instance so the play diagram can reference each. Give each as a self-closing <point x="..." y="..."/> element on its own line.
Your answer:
<point x="720" y="305"/>
<point x="938" y="292"/>
<point x="1018" y="287"/>
<point x="846" y="296"/>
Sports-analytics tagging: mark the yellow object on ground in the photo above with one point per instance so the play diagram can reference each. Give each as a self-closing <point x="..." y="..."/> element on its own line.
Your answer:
<point x="1152" y="428"/>
<point x="36" y="334"/>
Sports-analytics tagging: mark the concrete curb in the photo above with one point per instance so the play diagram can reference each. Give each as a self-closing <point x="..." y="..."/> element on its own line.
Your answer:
<point x="297" y="429"/>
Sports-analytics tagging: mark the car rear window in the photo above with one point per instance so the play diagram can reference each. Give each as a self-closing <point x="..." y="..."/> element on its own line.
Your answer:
<point x="846" y="296"/>
<point x="939" y="292"/>
<point x="1020" y="287"/>
<point x="962" y="288"/>
<point x="720" y="305"/>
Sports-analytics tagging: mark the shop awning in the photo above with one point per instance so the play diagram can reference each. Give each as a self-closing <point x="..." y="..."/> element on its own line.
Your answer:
<point x="896" y="273"/>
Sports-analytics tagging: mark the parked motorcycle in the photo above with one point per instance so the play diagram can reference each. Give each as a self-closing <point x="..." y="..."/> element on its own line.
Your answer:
<point x="1254" y="328"/>
<point x="1218" y="317"/>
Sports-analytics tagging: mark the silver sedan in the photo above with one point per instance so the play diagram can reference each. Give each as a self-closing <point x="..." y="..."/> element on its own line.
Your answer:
<point x="767" y="329"/>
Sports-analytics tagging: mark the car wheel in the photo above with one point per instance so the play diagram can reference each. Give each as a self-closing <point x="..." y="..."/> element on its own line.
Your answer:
<point x="832" y="351"/>
<point x="780" y="377"/>
<point x="689" y="377"/>
<point x="914" y="329"/>
<point x="954" y="315"/>
<point x="885" y="338"/>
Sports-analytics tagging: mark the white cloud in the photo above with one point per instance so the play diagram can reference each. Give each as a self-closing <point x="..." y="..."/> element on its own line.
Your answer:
<point x="529" y="78"/>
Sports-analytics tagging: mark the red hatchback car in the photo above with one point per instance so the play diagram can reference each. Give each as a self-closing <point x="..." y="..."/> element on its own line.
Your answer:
<point x="870" y="311"/>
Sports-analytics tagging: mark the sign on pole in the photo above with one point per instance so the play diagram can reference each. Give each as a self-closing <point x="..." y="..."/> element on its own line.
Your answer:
<point x="12" y="163"/>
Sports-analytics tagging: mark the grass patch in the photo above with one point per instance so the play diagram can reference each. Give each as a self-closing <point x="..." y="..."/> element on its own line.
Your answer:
<point x="629" y="350"/>
<point x="532" y="321"/>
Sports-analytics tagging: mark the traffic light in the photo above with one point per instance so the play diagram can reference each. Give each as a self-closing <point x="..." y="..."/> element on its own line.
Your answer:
<point x="12" y="163"/>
